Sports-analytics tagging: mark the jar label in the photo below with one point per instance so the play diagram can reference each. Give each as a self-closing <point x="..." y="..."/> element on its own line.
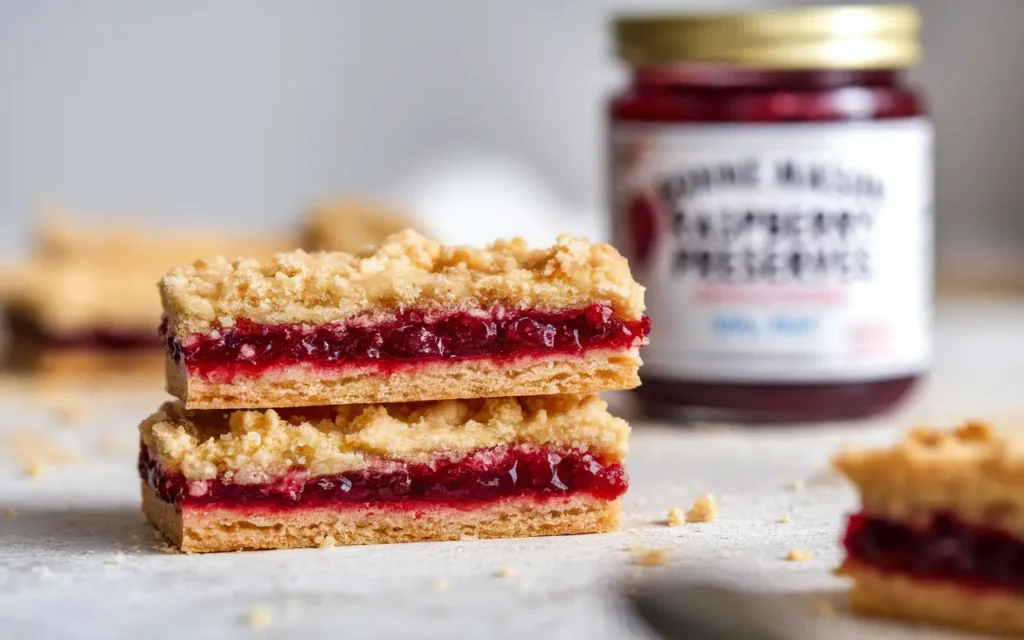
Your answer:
<point x="779" y="253"/>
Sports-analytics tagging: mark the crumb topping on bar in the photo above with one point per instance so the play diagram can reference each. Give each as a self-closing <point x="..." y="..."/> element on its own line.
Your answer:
<point x="407" y="270"/>
<point x="256" y="446"/>
<point x="974" y="471"/>
<point x="973" y="448"/>
<point x="350" y="225"/>
<point x="81" y="280"/>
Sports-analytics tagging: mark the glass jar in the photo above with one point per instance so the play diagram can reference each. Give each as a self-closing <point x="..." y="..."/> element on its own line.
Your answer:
<point x="771" y="179"/>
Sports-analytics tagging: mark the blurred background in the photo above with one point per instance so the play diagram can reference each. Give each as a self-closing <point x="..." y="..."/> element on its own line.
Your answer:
<point x="481" y="118"/>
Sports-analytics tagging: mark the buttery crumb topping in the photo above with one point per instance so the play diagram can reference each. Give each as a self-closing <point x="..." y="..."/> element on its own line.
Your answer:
<point x="974" y="448"/>
<point x="974" y="471"/>
<point x="406" y="270"/>
<point x="255" y="446"/>
<point x="81" y="279"/>
<point x="350" y="225"/>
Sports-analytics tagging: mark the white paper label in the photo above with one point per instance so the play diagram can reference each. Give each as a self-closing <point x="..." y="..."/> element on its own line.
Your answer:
<point x="779" y="252"/>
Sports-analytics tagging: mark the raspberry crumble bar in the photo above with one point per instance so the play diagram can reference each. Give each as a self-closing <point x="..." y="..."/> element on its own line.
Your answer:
<point x="363" y="474"/>
<point x="86" y="302"/>
<point x="940" y="536"/>
<point x="408" y="321"/>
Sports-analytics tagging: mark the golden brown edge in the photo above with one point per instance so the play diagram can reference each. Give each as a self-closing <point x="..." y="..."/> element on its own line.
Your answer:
<point x="897" y="596"/>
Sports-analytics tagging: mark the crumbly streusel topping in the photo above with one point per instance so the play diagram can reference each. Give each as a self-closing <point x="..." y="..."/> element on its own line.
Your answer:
<point x="154" y="251"/>
<point x="255" y="446"/>
<point x="80" y="280"/>
<point x="975" y="448"/>
<point x="406" y="270"/>
<point x="350" y="225"/>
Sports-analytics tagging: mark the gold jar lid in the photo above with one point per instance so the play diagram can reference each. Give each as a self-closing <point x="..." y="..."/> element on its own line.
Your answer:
<point x="835" y="37"/>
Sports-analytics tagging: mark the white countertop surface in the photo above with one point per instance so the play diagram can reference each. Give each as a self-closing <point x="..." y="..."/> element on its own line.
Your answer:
<point x="78" y="561"/>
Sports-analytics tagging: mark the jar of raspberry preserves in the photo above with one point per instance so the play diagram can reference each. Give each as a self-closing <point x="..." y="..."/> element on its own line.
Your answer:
<point x="771" y="183"/>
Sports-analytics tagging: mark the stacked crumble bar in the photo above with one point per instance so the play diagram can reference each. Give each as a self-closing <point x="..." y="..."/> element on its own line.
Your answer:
<point x="940" y="536"/>
<point x="415" y="392"/>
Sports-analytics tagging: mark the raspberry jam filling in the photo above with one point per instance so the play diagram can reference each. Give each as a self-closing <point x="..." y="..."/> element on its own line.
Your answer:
<point x="946" y="549"/>
<point x="481" y="476"/>
<point x="411" y="337"/>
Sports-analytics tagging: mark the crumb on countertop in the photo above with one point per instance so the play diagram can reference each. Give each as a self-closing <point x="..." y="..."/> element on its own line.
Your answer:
<point x="259" y="617"/>
<point x="69" y="412"/>
<point x="442" y="584"/>
<point x="786" y="519"/>
<point x="651" y="557"/>
<point x="798" y="555"/>
<point x="824" y="608"/>
<point x="506" y="571"/>
<point x="705" y="509"/>
<point x="328" y="542"/>
<point x="117" y="558"/>
<point x="798" y="486"/>
<point x="113" y="444"/>
<point x="34" y="452"/>
<point x="676" y="516"/>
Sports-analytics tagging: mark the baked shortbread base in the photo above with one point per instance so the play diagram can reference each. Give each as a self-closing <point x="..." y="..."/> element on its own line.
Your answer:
<point x="203" y="530"/>
<point x="898" y="596"/>
<point x="304" y="385"/>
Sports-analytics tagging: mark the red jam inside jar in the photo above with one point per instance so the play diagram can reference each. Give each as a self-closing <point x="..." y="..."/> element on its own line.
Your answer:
<point x="755" y="185"/>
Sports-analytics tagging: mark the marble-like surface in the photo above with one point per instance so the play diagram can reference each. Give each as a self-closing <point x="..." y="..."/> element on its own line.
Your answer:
<point x="78" y="561"/>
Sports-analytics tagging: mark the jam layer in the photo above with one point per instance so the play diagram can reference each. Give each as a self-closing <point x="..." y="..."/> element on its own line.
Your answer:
<point x="412" y="337"/>
<point x="485" y="475"/>
<point x="945" y="549"/>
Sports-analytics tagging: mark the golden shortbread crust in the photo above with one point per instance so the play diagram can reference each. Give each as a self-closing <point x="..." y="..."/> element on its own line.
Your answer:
<point x="307" y="386"/>
<point x="257" y="446"/>
<point x="973" y="471"/>
<point x="212" y="529"/>
<point x="407" y="270"/>
<point x="899" y="596"/>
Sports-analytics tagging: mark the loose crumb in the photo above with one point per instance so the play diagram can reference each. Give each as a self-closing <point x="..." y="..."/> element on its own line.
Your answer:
<point x="506" y="571"/>
<point x="34" y="452"/>
<point x="786" y="519"/>
<point x="259" y="617"/>
<point x="798" y="555"/>
<point x="70" y="413"/>
<point x="328" y="542"/>
<point x="824" y="608"/>
<point x="441" y="585"/>
<point x="117" y="558"/>
<point x="798" y="486"/>
<point x="705" y="509"/>
<point x="635" y="547"/>
<point x="651" y="558"/>
<point x="113" y="444"/>
<point x="11" y="512"/>
<point x="676" y="516"/>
